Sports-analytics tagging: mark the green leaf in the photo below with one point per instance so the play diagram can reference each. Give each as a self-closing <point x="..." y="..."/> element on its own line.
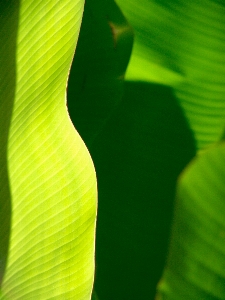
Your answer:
<point x="151" y="58"/>
<point x="195" y="268"/>
<point x="96" y="80"/>
<point x="51" y="175"/>
<point x="181" y="43"/>
<point x="8" y="19"/>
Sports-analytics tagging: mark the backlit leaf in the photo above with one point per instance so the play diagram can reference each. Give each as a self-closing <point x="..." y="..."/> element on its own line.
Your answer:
<point x="51" y="176"/>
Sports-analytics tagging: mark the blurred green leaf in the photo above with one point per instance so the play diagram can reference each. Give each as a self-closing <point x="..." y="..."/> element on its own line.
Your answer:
<point x="195" y="268"/>
<point x="181" y="44"/>
<point x="51" y="176"/>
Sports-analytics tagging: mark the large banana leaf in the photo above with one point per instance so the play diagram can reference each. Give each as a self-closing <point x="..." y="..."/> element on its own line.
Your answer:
<point x="8" y="19"/>
<point x="195" y="268"/>
<point x="51" y="182"/>
<point x="181" y="43"/>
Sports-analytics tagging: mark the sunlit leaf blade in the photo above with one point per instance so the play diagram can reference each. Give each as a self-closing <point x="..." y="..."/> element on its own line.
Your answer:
<point x="187" y="39"/>
<point x="195" y="268"/>
<point x="96" y="79"/>
<point x="52" y="179"/>
<point x="8" y="19"/>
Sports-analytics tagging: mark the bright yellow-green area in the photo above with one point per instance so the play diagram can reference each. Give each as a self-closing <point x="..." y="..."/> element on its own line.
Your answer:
<point x="52" y="177"/>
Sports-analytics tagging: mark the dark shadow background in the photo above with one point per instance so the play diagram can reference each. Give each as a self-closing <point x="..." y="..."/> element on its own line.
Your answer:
<point x="95" y="84"/>
<point x="138" y="157"/>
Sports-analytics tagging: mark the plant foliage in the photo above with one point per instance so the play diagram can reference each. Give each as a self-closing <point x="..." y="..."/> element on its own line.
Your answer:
<point x="48" y="199"/>
<point x="145" y="91"/>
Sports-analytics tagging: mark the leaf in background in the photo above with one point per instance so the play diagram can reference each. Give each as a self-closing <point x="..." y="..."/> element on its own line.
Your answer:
<point x="138" y="156"/>
<point x="152" y="58"/>
<point x="181" y="43"/>
<point x="52" y="179"/>
<point x="8" y="19"/>
<point x="96" y="80"/>
<point x="195" y="268"/>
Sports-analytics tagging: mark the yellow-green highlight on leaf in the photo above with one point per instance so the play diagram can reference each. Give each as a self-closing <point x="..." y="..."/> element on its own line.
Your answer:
<point x="52" y="178"/>
<point x="195" y="268"/>
<point x="8" y="20"/>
